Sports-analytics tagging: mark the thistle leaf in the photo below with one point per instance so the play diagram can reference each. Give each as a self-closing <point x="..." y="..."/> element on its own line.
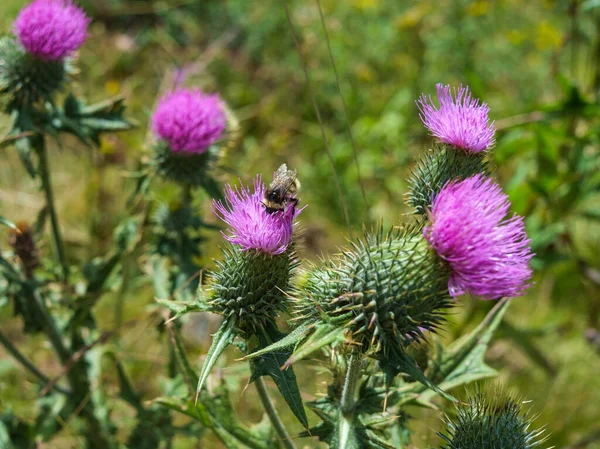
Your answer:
<point x="463" y="361"/>
<point x="222" y="338"/>
<point x="324" y="335"/>
<point x="286" y="342"/>
<point x="270" y="364"/>
<point x="219" y="415"/>
<point x="402" y="363"/>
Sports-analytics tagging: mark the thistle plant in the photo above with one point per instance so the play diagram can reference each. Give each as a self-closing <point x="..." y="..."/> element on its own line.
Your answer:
<point x="373" y="315"/>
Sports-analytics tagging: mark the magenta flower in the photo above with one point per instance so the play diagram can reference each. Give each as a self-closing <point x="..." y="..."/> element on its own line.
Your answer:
<point x="189" y="120"/>
<point x="460" y="121"/>
<point x="251" y="226"/>
<point x="488" y="253"/>
<point x="51" y="29"/>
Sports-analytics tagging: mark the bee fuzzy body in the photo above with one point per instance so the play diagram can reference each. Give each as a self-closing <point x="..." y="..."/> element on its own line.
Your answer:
<point x="282" y="190"/>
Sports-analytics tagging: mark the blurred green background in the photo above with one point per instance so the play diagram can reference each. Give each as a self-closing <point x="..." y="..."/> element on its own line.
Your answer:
<point x="536" y="64"/>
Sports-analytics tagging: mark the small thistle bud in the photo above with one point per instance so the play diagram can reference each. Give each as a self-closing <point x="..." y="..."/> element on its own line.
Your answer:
<point x="51" y="29"/>
<point x="252" y="281"/>
<point x="25" y="78"/>
<point x="250" y="286"/>
<point x="488" y="254"/>
<point x="460" y="120"/>
<point x="24" y="246"/>
<point x="386" y="293"/>
<point x="493" y="421"/>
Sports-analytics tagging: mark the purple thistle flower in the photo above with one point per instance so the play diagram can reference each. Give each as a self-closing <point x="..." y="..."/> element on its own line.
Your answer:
<point x="189" y="120"/>
<point x="460" y="120"/>
<point x="252" y="227"/>
<point x="488" y="254"/>
<point x="51" y="29"/>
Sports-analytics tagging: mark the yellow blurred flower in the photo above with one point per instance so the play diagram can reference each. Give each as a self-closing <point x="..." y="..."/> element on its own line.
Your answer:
<point x="548" y="37"/>
<point x="365" y="73"/>
<point x="112" y="87"/>
<point x="478" y="8"/>
<point x="412" y="16"/>
<point x="366" y="4"/>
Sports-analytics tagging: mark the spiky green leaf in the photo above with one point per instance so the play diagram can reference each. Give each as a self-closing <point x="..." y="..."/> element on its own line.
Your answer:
<point x="222" y="338"/>
<point x="270" y="364"/>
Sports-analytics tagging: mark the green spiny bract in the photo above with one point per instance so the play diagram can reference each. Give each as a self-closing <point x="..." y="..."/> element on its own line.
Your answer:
<point x="493" y="421"/>
<point x="184" y="168"/>
<point x="437" y="167"/>
<point x="385" y="292"/>
<point x="251" y="287"/>
<point x="26" y="79"/>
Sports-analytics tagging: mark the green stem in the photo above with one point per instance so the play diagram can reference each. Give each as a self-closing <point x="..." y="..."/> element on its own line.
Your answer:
<point x="346" y="428"/>
<point x="51" y="330"/>
<point x="47" y="187"/>
<point x="350" y="392"/>
<point x="272" y="414"/>
<point x="28" y="364"/>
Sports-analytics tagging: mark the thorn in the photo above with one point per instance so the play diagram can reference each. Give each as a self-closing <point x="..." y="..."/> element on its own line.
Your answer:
<point x="385" y="399"/>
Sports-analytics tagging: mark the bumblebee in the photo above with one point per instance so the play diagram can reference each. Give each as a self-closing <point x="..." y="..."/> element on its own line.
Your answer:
<point x="282" y="191"/>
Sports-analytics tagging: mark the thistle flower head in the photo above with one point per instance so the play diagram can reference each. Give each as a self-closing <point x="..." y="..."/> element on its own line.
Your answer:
<point x="189" y="120"/>
<point x="460" y="121"/>
<point x="493" y="421"/>
<point x="51" y="29"/>
<point x="488" y="254"/>
<point x="251" y="226"/>
<point x="385" y="294"/>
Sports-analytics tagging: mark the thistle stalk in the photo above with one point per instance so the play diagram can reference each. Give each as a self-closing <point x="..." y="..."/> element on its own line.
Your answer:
<point x="346" y="429"/>
<point x="28" y="364"/>
<point x="40" y="146"/>
<point x="271" y="411"/>
<point x="349" y="393"/>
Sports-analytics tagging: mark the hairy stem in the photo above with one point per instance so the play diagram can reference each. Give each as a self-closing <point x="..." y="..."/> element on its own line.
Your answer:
<point x="346" y="428"/>
<point x="350" y="392"/>
<point x="272" y="414"/>
<point x="28" y="364"/>
<point x="47" y="187"/>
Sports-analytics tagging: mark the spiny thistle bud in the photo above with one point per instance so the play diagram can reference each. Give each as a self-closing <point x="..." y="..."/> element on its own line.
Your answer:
<point x="190" y="126"/>
<point x="437" y="167"/>
<point x="462" y="126"/>
<point x="488" y="254"/>
<point x="384" y="293"/>
<point x="23" y="243"/>
<point x="493" y="421"/>
<point x="460" y="120"/>
<point x="250" y="286"/>
<point x="25" y="78"/>
<point x="252" y="281"/>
